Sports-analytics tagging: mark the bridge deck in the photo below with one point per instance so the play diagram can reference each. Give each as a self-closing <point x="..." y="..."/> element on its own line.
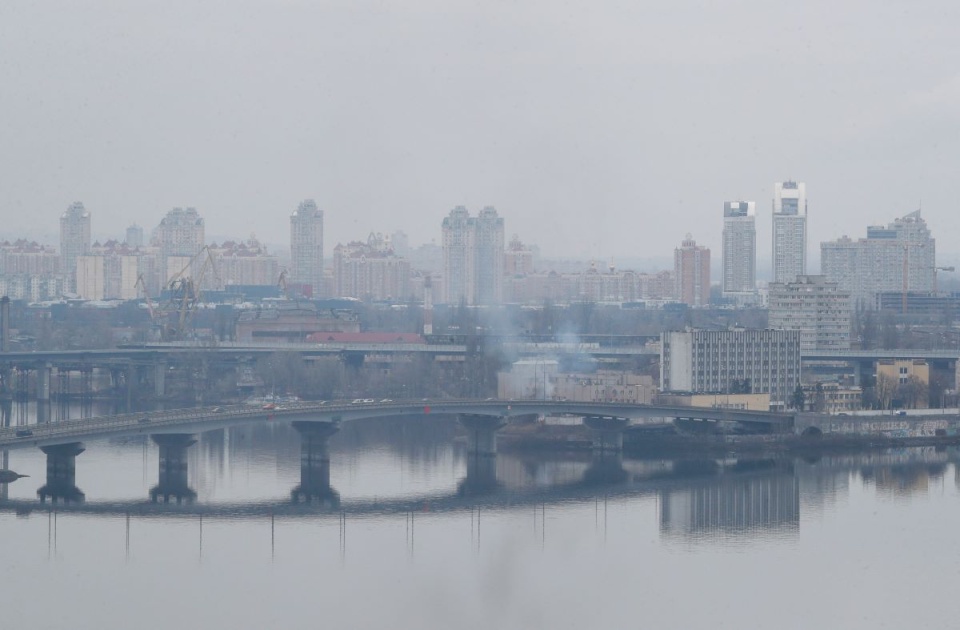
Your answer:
<point x="196" y="420"/>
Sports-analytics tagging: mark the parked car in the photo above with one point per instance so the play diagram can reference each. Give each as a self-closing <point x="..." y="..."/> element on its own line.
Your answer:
<point x="269" y="406"/>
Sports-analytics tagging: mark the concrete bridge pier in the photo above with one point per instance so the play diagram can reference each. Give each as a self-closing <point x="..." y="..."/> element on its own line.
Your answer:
<point x="481" y="454"/>
<point x="44" y="374"/>
<point x="61" y="482"/>
<point x="481" y="434"/>
<point x="606" y="467"/>
<point x="481" y="477"/>
<point x="315" y="464"/>
<point x="607" y="433"/>
<point x="173" y="482"/>
<point x="43" y="412"/>
<point x="159" y="379"/>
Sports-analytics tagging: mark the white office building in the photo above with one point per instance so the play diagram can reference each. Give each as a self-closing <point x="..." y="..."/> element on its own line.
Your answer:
<point x="789" y="231"/>
<point x="721" y="361"/>
<point x="739" y="251"/>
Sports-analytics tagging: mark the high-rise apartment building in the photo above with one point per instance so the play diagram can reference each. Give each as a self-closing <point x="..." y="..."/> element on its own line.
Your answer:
<point x="134" y="236"/>
<point x="818" y="308"/>
<point x="900" y="257"/>
<point x="473" y="257"/>
<point x="789" y="231"/>
<point x="306" y="246"/>
<point x="691" y="272"/>
<point x="458" y="257"/>
<point x="74" y="240"/>
<point x="489" y="252"/>
<point x="718" y="361"/>
<point x="518" y="259"/>
<point x="739" y="251"/>
<point x="179" y="237"/>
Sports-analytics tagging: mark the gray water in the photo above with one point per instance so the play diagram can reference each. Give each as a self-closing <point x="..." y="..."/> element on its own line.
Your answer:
<point x="862" y="540"/>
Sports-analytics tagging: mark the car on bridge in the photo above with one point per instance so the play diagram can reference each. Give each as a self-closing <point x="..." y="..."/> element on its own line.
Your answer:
<point x="24" y="433"/>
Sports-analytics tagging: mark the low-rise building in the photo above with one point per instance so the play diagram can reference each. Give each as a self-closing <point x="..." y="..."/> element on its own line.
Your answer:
<point x="292" y="322"/>
<point x="832" y="397"/>
<point x="528" y="379"/>
<point x="605" y="386"/>
<point x="902" y="383"/>
<point x="747" y="402"/>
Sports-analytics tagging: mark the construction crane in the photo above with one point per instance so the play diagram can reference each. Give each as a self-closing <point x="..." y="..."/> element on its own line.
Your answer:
<point x="140" y="285"/>
<point x="282" y="284"/>
<point x="185" y="294"/>
<point x="155" y="316"/>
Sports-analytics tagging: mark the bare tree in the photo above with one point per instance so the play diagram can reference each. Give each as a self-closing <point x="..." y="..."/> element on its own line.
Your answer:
<point x="885" y="389"/>
<point x="912" y="392"/>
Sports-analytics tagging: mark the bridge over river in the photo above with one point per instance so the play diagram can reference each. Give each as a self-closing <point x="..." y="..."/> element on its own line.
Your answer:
<point x="174" y="432"/>
<point x="194" y="420"/>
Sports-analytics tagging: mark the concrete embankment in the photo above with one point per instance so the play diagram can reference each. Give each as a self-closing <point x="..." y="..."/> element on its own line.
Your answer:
<point x="819" y="431"/>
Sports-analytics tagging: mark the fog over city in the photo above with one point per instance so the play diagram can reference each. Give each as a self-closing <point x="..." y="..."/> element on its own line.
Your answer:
<point x="480" y="315"/>
<point x="598" y="130"/>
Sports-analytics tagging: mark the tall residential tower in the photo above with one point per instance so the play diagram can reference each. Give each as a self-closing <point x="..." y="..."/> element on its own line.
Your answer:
<point x="739" y="250"/>
<point x="180" y="236"/>
<point x="897" y="258"/>
<point x="74" y="241"/>
<point x="306" y="246"/>
<point x="473" y="257"/>
<point x="691" y="269"/>
<point x="789" y="231"/>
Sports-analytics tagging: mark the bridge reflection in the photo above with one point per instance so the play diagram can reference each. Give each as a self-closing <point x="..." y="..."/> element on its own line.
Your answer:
<point x="696" y="499"/>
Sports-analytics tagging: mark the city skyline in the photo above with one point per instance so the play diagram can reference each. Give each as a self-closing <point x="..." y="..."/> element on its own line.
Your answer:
<point x="50" y="234"/>
<point x="241" y="129"/>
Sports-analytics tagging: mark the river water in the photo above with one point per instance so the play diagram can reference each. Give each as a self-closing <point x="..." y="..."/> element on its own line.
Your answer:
<point x="864" y="540"/>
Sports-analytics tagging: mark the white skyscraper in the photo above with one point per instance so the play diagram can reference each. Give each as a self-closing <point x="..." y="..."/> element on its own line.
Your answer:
<point x="739" y="250"/>
<point x="789" y="231"/>
<point x="473" y="257"/>
<point x="74" y="241"/>
<point x="489" y="245"/>
<point x="306" y="246"/>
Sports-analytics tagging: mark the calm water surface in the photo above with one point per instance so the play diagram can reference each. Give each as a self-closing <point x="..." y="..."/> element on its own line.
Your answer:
<point x="854" y="541"/>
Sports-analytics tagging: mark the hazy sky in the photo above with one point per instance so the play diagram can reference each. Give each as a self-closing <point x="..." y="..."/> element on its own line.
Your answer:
<point x="598" y="129"/>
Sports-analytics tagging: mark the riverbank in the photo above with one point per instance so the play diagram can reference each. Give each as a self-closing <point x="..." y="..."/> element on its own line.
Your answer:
<point x="665" y="439"/>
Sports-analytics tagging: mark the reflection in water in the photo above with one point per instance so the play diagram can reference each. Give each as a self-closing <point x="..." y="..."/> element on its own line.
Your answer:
<point x="315" y="465"/>
<point x="390" y="465"/>
<point x="61" y="485"/>
<point x="515" y="540"/>
<point x="173" y="483"/>
<point x="738" y="500"/>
